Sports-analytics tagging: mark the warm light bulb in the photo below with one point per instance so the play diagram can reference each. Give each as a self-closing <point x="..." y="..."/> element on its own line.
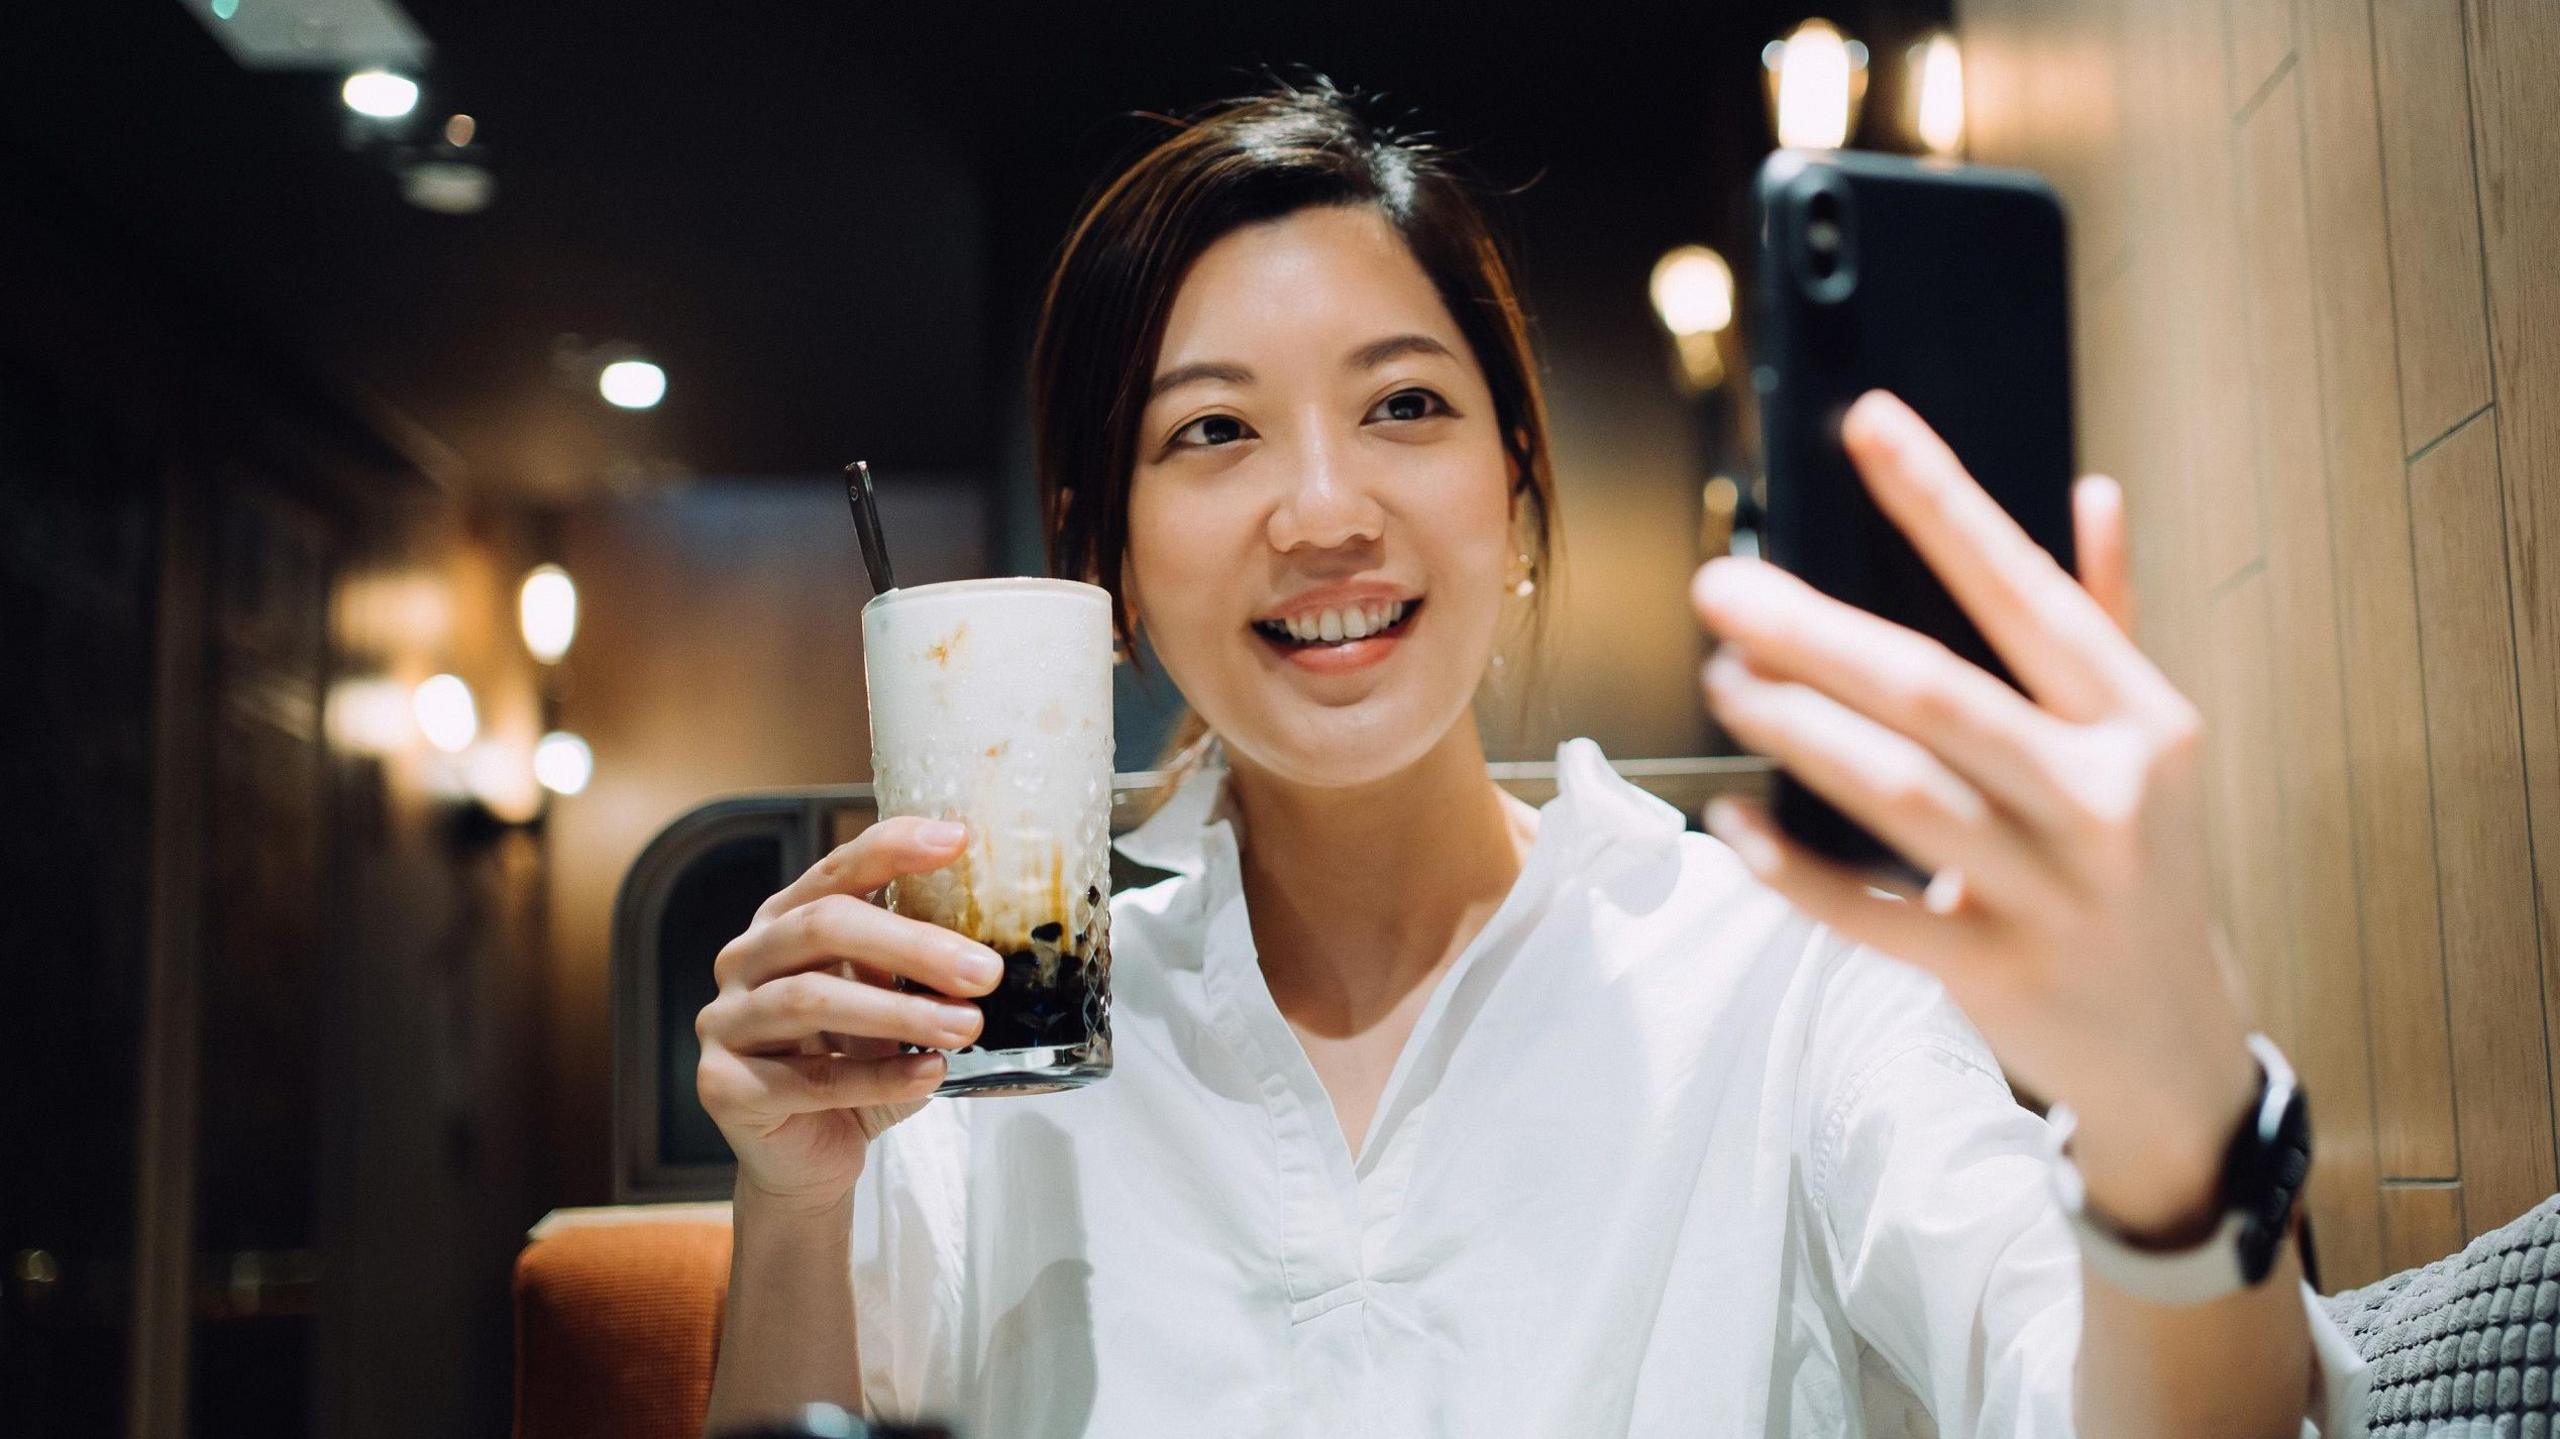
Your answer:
<point x="1693" y="291"/>
<point x="1819" y="75"/>
<point x="446" y="715"/>
<point x="632" y="384"/>
<point x="369" y="715"/>
<point x="380" y="94"/>
<point x="1937" y="94"/>
<point x="563" y="762"/>
<point x="547" y="612"/>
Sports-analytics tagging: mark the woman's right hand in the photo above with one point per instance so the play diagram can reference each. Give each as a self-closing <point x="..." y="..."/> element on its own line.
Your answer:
<point x="801" y="1064"/>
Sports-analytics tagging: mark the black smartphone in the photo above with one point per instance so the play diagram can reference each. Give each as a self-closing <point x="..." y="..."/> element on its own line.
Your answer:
<point x="1948" y="285"/>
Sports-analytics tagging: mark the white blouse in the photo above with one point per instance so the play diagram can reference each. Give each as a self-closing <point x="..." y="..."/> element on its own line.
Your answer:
<point x="1661" y="1156"/>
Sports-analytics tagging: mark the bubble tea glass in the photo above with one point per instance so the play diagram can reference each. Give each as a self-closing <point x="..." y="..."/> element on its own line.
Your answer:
<point x="991" y="704"/>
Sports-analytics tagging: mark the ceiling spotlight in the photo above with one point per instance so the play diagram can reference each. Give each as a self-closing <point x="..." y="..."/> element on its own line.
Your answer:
<point x="632" y="384"/>
<point x="380" y="94"/>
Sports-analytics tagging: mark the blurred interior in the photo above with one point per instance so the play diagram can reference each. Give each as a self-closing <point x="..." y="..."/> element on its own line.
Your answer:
<point x="309" y="1018"/>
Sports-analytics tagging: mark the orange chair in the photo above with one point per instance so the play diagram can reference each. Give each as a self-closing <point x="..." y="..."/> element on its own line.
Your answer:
<point x="618" y="1321"/>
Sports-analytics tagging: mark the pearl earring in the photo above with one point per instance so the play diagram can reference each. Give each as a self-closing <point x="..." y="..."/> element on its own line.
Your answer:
<point x="1525" y="583"/>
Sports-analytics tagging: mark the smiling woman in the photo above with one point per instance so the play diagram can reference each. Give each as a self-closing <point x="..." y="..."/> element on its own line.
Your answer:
<point x="1435" y="1114"/>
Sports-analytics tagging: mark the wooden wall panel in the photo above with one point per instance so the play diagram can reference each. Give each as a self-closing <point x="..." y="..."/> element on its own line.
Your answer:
<point x="2204" y="297"/>
<point x="2394" y="822"/>
<point x="2336" y="221"/>
<point x="2425" y="90"/>
<point x="2246" y="806"/>
<point x="2421" y="1223"/>
<point x="2315" y="863"/>
<point x="2261" y="40"/>
<point x="2515" y="53"/>
<point x="2484" y="865"/>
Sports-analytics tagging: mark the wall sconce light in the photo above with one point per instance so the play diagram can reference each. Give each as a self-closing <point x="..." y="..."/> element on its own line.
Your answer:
<point x="563" y="763"/>
<point x="1935" y="82"/>
<point x="446" y="715"/>
<point x="1692" y="290"/>
<point x="1817" y="78"/>
<point x="547" y="612"/>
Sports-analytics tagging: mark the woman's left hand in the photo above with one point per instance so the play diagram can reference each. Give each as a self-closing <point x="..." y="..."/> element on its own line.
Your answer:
<point x="2070" y="913"/>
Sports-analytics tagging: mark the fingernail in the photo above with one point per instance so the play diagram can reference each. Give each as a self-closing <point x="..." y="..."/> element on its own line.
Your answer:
<point x="959" y="1022"/>
<point x="978" y="962"/>
<point x="941" y="833"/>
<point x="1724" y="666"/>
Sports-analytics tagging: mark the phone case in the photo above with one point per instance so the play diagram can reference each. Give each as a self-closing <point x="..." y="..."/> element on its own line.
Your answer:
<point x="1947" y="285"/>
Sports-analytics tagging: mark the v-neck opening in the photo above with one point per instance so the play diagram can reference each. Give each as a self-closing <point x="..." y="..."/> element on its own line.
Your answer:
<point x="1386" y="1116"/>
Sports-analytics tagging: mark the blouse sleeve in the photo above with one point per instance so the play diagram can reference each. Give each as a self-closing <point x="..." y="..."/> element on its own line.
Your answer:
<point x="1945" y="1246"/>
<point x="909" y="1209"/>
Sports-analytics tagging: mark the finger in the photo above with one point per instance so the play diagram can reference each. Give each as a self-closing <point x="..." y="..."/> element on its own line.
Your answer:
<point x="1886" y="782"/>
<point x="1837" y="897"/>
<point x="1987" y="732"/>
<point x="900" y="845"/>
<point x="833" y="928"/>
<point x="2098" y="534"/>
<point x="2063" y="648"/>
<point x="781" y="1014"/>
<point x="780" y="1087"/>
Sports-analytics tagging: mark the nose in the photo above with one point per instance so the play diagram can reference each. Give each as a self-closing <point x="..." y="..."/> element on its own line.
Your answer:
<point x="1328" y="504"/>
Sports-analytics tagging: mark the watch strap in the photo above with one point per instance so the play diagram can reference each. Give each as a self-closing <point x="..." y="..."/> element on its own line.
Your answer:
<point x="2210" y="1269"/>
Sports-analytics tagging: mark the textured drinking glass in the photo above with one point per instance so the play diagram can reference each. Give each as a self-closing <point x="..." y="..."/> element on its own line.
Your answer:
<point x="991" y="705"/>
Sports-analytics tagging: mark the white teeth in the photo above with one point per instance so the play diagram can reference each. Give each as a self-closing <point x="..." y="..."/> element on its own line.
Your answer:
<point x="1334" y="626"/>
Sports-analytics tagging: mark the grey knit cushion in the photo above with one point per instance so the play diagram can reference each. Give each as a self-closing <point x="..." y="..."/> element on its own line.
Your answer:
<point x="2464" y="1345"/>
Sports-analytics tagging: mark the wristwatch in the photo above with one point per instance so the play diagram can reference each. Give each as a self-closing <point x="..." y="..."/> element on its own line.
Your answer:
<point x="2263" y="1168"/>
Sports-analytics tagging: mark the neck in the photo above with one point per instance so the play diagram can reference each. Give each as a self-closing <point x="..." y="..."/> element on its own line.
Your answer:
<point x="1362" y="893"/>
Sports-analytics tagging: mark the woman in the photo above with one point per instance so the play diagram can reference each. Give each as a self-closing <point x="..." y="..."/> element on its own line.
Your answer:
<point x="1436" y="1114"/>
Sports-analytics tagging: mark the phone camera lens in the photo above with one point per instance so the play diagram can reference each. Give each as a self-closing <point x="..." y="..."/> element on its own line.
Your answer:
<point x="1822" y="232"/>
<point x="1825" y="243"/>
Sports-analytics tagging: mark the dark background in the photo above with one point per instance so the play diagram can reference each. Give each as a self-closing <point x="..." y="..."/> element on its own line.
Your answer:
<point x="291" y="1055"/>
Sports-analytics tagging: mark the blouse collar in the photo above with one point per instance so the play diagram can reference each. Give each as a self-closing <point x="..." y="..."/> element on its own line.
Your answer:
<point x="1595" y="809"/>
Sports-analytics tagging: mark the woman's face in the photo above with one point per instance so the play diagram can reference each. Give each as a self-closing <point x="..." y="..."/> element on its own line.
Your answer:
<point x="1320" y="519"/>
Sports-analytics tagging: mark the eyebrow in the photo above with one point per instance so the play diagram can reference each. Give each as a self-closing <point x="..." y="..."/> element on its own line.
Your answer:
<point x="1367" y="357"/>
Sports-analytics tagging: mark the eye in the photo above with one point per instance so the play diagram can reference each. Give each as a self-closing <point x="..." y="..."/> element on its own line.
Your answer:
<point x="1413" y="404"/>
<point x="1213" y="431"/>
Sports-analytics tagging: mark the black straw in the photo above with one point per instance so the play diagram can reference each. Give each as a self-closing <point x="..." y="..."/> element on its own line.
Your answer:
<point x="866" y="525"/>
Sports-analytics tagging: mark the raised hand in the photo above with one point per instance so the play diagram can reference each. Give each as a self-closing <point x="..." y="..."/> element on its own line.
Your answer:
<point x="2070" y="911"/>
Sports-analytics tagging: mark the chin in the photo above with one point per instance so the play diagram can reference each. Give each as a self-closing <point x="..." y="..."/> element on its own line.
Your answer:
<point x="1343" y="746"/>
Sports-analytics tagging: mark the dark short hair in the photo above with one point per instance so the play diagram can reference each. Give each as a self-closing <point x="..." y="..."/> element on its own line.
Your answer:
<point x="1229" y="164"/>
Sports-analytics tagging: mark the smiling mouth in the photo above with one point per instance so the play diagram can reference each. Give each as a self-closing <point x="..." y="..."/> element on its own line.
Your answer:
<point x="1337" y="628"/>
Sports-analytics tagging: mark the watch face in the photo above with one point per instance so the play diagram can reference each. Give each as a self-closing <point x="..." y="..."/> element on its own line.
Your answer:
<point x="2270" y="1180"/>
